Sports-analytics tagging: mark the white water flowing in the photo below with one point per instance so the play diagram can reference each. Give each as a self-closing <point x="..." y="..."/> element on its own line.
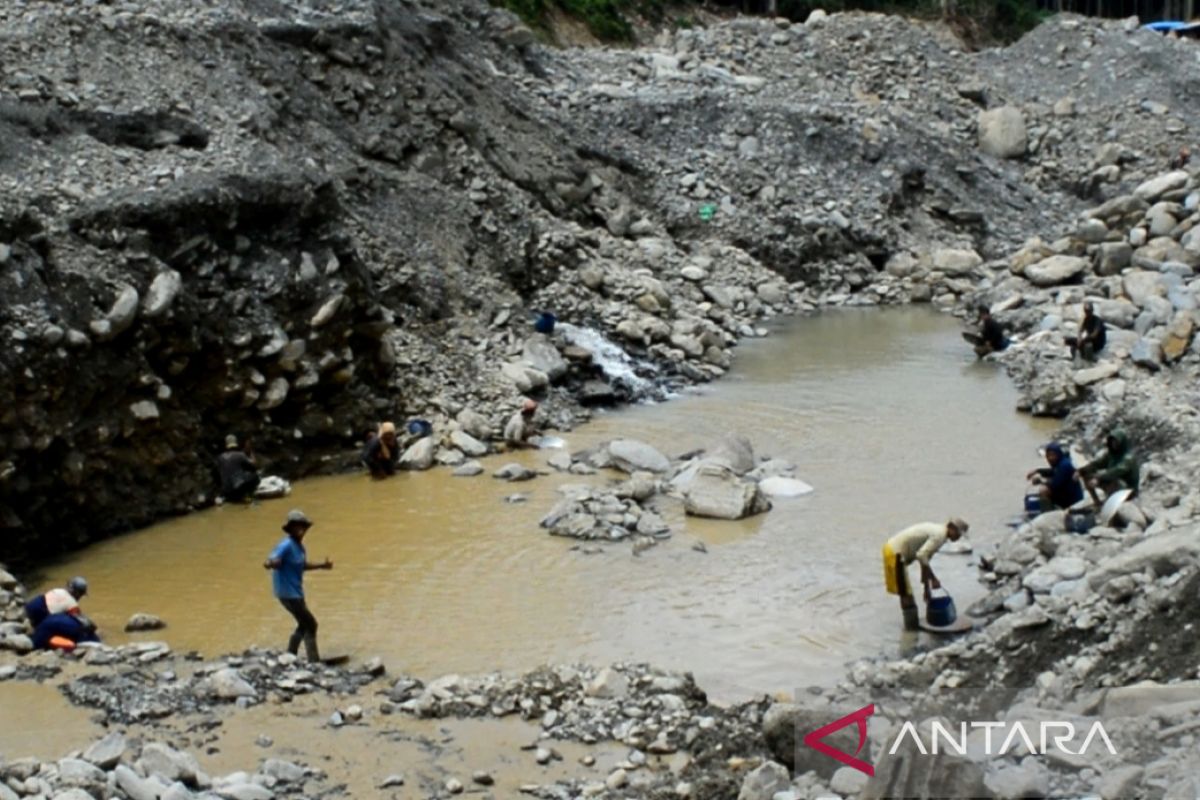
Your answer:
<point x="617" y="365"/>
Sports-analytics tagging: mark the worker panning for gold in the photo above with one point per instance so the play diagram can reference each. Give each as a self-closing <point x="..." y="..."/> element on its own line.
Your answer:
<point x="916" y="543"/>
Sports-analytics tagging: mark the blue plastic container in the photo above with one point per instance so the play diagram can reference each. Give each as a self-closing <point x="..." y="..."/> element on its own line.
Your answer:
<point x="940" y="610"/>
<point x="1033" y="504"/>
<point x="545" y="323"/>
<point x="420" y="427"/>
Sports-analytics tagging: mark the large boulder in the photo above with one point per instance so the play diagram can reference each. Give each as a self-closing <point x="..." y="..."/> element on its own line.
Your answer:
<point x="475" y="424"/>
<point x="786" y="724"/>
<point x="1002" y="132"/>
<point x="711" y="489"/>
<point x="419" y="455"/>
<point x="1156" y="187"/>
<point x="1141" y="285"/>
<point x="631" y="455"/>
<point x="1055" y="270"/>
<point x="541" y="354"/>
<point x="523" y="377"/>
<point x="467" y="443"/>
<point x="955" y="262"/>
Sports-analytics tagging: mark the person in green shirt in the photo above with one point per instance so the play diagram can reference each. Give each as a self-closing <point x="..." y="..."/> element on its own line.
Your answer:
<point x="1116" y="469"/>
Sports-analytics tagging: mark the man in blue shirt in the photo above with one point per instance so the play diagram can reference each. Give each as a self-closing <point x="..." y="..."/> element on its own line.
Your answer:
<point x="289" y="561"/>
<point x="1058" y="485"/>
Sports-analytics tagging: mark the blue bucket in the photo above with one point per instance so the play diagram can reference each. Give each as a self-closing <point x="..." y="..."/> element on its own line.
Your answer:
<point x="419" y="427"/>
<point x="1033" y="504"/>
<point x="940" y="611"/>
<point x="545" y="323"/>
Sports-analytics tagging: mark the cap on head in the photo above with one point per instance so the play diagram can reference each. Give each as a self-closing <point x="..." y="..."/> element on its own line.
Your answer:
<point x="960" y="525"/>
<point x="231" y="442"/>
<point x="77" y="586"/>
<point x="297" y="519"/>
<point x="386" y="428"/>
<point x="529" y="406"/>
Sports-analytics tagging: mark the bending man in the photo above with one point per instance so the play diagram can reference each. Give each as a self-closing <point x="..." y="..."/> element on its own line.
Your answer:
<point x="916" y="543"/>
<point x="1058" y="485"/>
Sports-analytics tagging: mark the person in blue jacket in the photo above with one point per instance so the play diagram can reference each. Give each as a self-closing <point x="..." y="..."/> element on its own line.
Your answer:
<point x="65" y="625"/>
<point x="288" y="562"/>
<point x="1058" y="484"/>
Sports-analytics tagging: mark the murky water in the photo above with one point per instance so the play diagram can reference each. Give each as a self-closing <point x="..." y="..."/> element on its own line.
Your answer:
<point x="886" y="413"/>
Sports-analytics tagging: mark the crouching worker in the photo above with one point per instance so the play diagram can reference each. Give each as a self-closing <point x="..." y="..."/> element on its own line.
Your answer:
<point x="1058" y="485"/>
<point x="238" y="472"/>
<point x="57" y="602"/>
<point x="520" y="427"/>
<point x="1116" y="469"/>
<point x="916" y="543"/>
<point x="63" y="632"/>
<point x="382" y="452"/>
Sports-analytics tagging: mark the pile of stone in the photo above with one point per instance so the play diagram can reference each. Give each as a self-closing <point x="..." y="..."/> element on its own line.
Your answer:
<point x="115" y="767"/>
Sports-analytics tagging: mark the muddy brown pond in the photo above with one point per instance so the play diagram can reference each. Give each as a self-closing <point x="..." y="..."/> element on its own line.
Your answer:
<point x="886" y="413"/>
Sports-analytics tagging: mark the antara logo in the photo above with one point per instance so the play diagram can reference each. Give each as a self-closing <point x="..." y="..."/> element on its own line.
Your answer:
<point x="813" y="739"/>
<point x="1053" y="735"/>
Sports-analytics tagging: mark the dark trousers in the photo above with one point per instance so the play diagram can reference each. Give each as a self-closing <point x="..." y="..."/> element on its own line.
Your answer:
<point x="306" y="627"/>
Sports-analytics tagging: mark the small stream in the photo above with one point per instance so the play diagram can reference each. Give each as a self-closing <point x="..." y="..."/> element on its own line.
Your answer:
<point x="886" y="413"/>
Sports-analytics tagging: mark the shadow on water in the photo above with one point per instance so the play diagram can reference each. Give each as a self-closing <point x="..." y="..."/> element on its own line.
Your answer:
<point x="885" y="413"/>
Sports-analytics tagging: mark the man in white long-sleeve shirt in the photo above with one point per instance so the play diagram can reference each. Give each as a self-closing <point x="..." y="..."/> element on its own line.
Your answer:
<point x="916" y="543"/>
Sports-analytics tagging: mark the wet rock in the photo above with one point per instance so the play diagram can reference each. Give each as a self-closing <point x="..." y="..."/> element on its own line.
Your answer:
<point x="144" y="622"/>
<point x="276" y="393"/>
<point x="468" y="470"/>
<point x="1002" y="132"/>
<point x="514" y="472"/>
<point x="541" y="354"/>
<point x="713" y="490"/>
<point x="631" y="455"/>
<point x="391" y="782"/>
<point x="419" y="455"/>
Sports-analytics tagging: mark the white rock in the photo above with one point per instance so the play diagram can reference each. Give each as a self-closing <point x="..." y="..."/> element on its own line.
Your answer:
<point x="162" y="293"/>
<point x="1055" y="270"/>
<point x="608" y="685"/>
<point x="470" y="446"/>
<point x="764" y="782"/>
<point x="848" y="781"/>
<point x="1002" y="132"/>
<point x="955" y="262"/>
<point x="419" y="455"/>
<point x="228" y="684"/>
<point x="779" y="486"/>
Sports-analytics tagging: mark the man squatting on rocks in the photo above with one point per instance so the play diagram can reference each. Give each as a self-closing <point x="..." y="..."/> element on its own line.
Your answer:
<point x="289" y="561"/>
<point x="991" y="335"/>
<point x="916" y="543"/>
<point x="238" y="472"/>
<point x="57" y="613"/>
<point x="520" y="428"/>
<point x="1058" y="485"/>
<point x="1116" y="469"/>
<point x="1093" y="335"/>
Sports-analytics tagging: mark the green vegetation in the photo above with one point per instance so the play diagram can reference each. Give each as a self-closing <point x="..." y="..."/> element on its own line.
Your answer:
<point x="980" y="21"/>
